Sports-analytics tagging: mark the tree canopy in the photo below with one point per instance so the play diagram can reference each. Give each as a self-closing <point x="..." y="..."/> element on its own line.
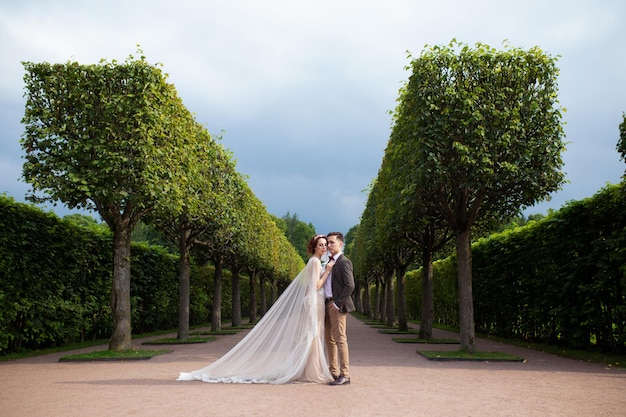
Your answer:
<point x="111" y="137"/>
<point x="477" y="134"/>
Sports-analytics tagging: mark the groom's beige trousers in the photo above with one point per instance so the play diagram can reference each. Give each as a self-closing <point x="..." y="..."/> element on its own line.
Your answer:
<point x="336" y="341"/>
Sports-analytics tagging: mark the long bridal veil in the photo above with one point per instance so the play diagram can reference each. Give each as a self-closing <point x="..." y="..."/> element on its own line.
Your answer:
<point x="285" y="345"/>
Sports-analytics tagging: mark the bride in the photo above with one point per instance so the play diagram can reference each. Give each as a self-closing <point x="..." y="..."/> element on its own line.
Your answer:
<point x="287" y="344"/>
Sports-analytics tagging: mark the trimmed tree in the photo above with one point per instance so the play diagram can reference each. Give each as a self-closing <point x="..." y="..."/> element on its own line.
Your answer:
<point x="105" y="138"/>
<point x="484" y="128"/>
<point x="212" y="183"/>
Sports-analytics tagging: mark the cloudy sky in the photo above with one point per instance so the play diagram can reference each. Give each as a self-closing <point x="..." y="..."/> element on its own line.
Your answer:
<point x="301" y="90"/>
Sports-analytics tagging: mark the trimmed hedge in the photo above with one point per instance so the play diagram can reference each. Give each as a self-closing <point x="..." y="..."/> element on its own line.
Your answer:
<point x="561" y="280"/>
<point x="51" y="279"/>
<point x="55" y="281"/>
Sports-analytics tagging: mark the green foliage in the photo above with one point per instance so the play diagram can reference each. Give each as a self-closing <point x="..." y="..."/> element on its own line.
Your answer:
<point x="153" y="288"/>
<point x="298" y="233"/>
<point x="53" y="273"/>
<point x="559" y="280"/>
<point x="445" y="292"/>
<point x="55" y="281"/>
<point x="84" y="220"/>
<point x="480" y="128"/>
<point x="350" y="238"/>
<point x="96" y="136"/>
<point x="114" y="138"/>
<point x="477" y="135"/>
<point x="200" y="299"/>
<point x="149" y="234"/>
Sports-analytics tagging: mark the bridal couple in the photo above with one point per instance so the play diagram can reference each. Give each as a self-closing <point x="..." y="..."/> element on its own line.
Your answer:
<point x="307" y="321"/>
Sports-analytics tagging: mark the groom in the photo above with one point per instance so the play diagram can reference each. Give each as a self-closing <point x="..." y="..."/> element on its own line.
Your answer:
<point x="338" y="290"/>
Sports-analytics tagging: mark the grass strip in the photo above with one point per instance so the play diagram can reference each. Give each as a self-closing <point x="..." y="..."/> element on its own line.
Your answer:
<point x="426" y="341"/>
<point x="396" y="331"/>
<point x="175" y="341"/>
<point x="611" y="360"/>
<point x="111" y="355"/>
<point x="217" y="333"/>
<point x="462" y="355"/>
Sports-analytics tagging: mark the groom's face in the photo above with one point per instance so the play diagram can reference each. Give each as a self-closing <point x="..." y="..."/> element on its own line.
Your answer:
<point x="334" y="245"/>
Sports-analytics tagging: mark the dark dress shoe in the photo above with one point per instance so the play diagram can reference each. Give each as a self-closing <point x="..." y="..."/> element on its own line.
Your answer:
<point x="342" y="380"/>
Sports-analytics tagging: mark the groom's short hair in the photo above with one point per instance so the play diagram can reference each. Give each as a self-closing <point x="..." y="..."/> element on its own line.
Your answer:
<point x="338" y="235"/>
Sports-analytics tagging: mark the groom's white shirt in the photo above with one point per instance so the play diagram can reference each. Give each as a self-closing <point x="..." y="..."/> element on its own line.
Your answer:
<point x="328" y="285"/>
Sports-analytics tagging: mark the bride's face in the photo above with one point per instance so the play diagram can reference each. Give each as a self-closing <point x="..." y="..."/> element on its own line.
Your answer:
<point x="320" y="247"/>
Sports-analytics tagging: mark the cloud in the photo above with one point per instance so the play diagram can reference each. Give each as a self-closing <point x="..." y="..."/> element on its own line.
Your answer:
<point x="302" y="89"/>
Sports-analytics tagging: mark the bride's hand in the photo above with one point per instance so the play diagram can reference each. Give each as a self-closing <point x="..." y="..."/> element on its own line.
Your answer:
<point x="329" y="265"/>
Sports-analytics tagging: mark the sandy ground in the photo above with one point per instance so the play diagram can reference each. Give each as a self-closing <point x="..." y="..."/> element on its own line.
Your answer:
<point x="388" y="379"/>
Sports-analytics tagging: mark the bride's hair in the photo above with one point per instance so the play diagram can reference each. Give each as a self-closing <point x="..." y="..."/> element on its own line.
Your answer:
<point x="310" y="247"/>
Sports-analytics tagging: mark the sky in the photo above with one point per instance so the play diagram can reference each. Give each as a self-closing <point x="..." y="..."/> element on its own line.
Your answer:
<point x="301" y="91"/>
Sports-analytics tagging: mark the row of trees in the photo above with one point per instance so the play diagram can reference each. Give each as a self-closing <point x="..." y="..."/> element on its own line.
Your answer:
<point x="477" y="136"/>
<point x="55" y="281"/>
<point x="115" y="138"/>
<point x="559" y="280"/>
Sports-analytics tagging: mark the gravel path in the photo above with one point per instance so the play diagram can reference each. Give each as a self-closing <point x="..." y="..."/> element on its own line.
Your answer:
<point x="388" y="379"/>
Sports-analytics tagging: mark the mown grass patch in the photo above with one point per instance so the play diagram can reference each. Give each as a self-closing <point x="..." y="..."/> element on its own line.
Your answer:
<point x="243" y="326"/>
<point x="462" y="355"/>
<point x="111" y="355"/>
<point x="175" y="341"/>
<point x="425" y="341"/>
<point x="216" y="333"/>
<point x="617" y="360"/>
<point x="396" y="331"/>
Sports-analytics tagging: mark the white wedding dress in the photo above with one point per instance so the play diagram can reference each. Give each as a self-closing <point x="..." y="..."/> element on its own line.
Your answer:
<point x="286" y="345"/>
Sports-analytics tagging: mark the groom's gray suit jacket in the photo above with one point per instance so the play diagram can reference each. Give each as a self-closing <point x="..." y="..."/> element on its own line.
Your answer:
<point x="343" y="284"/>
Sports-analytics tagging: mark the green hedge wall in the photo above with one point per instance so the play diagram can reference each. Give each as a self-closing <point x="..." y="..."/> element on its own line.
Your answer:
<point x="561" y="280"/>
<point x="55" y="281"/>
<point x="51" y="281"/>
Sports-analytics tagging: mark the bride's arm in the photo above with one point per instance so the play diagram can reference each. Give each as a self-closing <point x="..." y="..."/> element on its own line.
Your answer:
<point x="324" y="277"/>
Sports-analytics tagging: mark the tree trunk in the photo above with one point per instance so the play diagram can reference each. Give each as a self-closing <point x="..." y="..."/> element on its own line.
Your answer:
<point x="377" y="302"/>
<point x="216" y="311"/>
<point x="274" y="290"/>
<point x="252" y="297"/>
<point x="426" y="321"/>
<point x="120" y="291"/>
<point x="262" y="297"/>
<point x="383" y="301"/>
<point x="357" y="296"/>
<point x="367" y="310"/>
<point x="390" y="306"/>
<point x="183" y="285"/>
<point x="403" y="324"/>
<point x="466" y="301"/>
<point x="236" y="302"/>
